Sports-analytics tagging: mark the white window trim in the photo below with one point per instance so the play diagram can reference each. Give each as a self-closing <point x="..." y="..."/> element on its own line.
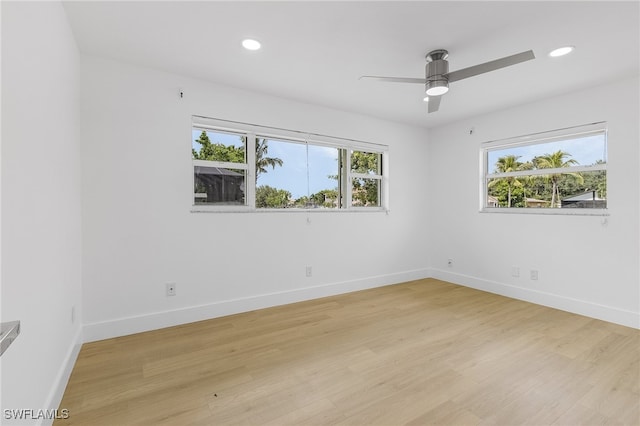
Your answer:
<point x="547" y="211"/>
<point x="566" y="133"/>
<point x="536" y="139"/>
<point x="253" y="131"/>
<point x="221" y="164"/>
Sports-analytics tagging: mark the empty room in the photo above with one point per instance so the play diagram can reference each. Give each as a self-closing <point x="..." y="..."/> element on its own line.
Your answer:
<point x="320" y="213"/>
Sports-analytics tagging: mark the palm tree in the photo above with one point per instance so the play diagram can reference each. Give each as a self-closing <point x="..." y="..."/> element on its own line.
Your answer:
<point x="262" y="161"/>
<point x="506" y="164"/>
<point x="556" y="160"/>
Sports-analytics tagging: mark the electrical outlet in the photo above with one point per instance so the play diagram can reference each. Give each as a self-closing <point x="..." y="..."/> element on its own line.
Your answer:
<point x="171" y="289"/>
<point x="450" y="263"/>
<point x="309" y="271"/>
<point x="534" y="274"/>
<point x="515" y="271"/>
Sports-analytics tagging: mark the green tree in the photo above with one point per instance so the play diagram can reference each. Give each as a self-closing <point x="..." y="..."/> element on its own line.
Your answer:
<point x="217" y="151"/>
<point x="596" y="181"/>
<point x="302" y="201"/>
<point x="262" y="161"/>
<point x="557" y="160"/>
<point x="365" y="191"/>
<point x="506" y="164"/>
<point x="365" y="162"/>
<point x="324" y="198"/>
<point x="269" y="197"/>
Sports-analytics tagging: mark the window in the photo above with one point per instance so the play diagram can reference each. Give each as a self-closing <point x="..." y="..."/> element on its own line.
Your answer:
<point x="366" y="178"/>
<point x="559" y="171"/>
<point x="219" y="167"/>
<point x="297" y="174"/>
<point x="242" y="167"/>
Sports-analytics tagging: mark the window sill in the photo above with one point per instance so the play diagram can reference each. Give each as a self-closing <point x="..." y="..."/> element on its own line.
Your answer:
<point x="547" y="211"/>
<point x="197" y="209"/>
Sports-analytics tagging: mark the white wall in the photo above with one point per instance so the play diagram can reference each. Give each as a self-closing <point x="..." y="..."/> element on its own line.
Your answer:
<point x="139" y="233"/>
<point x="41" y="207"/>
<point x="584" y="267"/>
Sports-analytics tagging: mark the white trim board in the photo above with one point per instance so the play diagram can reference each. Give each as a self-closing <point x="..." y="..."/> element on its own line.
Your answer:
<point x="153" y="321"/>
<point x="580" y="307"/>
<point x="62" y="378"/>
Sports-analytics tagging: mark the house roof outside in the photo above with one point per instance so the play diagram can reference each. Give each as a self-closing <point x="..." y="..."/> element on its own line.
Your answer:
<point x="586" y="196"/>
<point x="218" y="171"/>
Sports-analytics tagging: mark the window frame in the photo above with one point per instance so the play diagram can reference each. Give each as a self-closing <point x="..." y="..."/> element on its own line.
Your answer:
<point x="252" y="132"/>
<point x="351" y="175"/>
<point x="249" y="157"/>
<point x="565" y="134"/>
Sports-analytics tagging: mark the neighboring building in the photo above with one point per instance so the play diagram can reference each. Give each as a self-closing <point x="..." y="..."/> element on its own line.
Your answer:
<point x="531" y="202"/>
<point x="218" y="185"/>
<point x="535" y="203"/>
<point x="587" y="200"/>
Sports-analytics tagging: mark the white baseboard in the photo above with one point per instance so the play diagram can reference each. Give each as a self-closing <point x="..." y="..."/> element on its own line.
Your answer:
<point x="153" y="321"/>
<point x="62" y="378"/>
<point x="139" y="323"/>
<point x="576" y="306"/>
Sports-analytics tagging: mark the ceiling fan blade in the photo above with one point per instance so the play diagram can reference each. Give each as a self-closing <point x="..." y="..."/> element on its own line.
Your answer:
<point x="434" y="103"/>
<point x="395" y="79"/>
<point x="490" y="66"/>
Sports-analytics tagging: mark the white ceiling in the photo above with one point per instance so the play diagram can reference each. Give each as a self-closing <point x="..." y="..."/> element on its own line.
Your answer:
<point x="315" y="52"/>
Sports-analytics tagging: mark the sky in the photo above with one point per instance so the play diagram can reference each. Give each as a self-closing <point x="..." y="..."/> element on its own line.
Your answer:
<point x="292" y="175"/>
<point x="586" y="151"/>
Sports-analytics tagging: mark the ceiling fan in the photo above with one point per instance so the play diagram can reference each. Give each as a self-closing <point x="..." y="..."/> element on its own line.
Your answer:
<point x="438" y="76"/>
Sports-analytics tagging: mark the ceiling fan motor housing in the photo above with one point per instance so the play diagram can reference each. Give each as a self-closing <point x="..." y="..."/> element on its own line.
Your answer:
<point x="436" y="68"/>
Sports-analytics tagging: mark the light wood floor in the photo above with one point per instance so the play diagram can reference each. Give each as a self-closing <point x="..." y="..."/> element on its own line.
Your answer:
<point x="423" y="352"/>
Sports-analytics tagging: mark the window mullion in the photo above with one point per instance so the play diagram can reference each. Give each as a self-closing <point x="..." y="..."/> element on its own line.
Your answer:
<point x="348" y="186"/>
<point x="384" y="185"/>
<point x="222" y="164"/>
<point x="251" y="170"/>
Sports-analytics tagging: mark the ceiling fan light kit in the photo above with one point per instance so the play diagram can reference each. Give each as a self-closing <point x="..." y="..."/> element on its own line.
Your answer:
<point x="437" y="87"/>
<point x="438" y="76"/>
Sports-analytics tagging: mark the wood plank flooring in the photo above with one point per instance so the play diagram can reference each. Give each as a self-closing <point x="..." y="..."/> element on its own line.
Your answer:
<point x="418" y="353"/>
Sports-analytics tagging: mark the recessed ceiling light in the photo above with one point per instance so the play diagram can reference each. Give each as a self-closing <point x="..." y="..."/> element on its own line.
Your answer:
<point x="251" y="44"/>
<point x="561" y="51"/>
